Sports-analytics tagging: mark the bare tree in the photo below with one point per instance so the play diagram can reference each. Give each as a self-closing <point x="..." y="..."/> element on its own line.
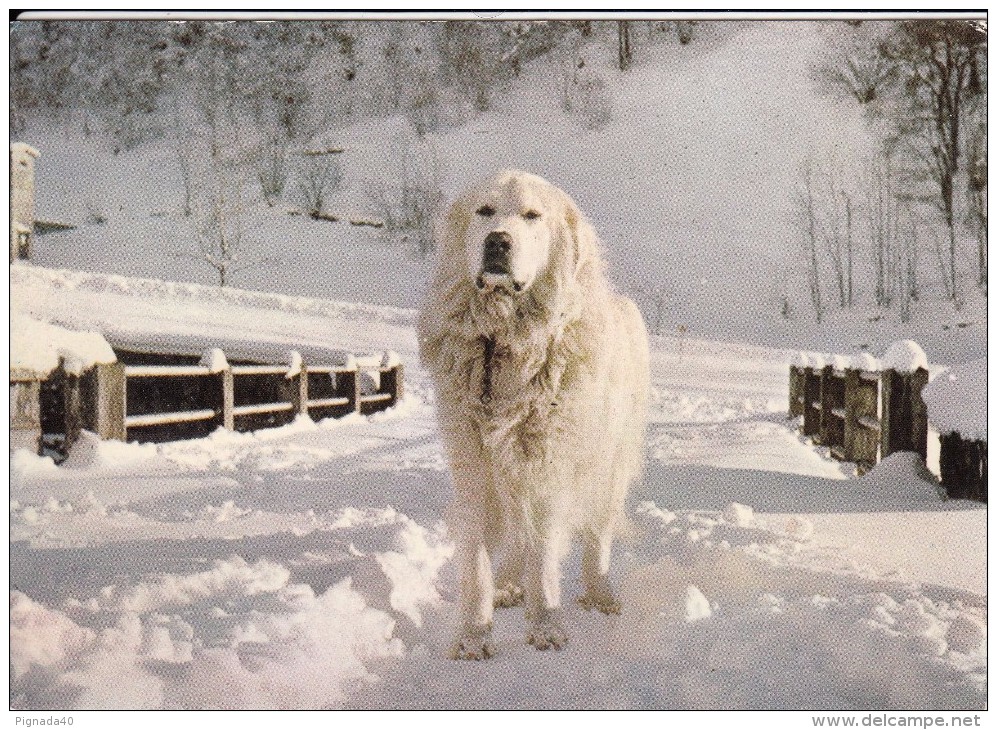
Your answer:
<point x="940" y="61"/>
<point x="853" y="62"/>
<point x="806" y="212"/>
<point x="977" y="195"/>
<point x="624" y="51"/>
<point x="319" y="175"/>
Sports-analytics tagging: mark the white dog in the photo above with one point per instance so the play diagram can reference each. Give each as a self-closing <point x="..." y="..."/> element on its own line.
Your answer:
<point x="541" y="375"/>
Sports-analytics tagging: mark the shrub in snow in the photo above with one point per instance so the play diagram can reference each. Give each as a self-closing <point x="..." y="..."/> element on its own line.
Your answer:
<point x="905" y="356"/>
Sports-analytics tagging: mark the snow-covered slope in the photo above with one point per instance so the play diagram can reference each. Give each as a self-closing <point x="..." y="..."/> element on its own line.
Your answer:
<point x="689" y="184"/>
<point x="309" y="566"/>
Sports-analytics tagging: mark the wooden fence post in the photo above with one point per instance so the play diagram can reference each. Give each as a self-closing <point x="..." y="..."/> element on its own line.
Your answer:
<point x="72" y="407"/>
<point x="25" y="412"/>
<point x="861" y="419"/>
<point x="104" y="400"/>
<point x="811" y="402"/>
<point x="905" y="416"/>
<point x="299" y="392"/>
<point x="797" y="379"/>
<point x="826" y="373"/>
<point x="351" y="388"/>
<point x="392" y="381"/>
<point x="224" y="399"/>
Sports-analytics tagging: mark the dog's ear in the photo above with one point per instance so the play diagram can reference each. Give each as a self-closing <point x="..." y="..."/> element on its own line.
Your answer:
<point x="583" y="240"/>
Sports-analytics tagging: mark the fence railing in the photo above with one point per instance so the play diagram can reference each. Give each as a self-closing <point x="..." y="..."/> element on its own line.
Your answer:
<point x="171" y="402"/>
<point x="861" y="415"/>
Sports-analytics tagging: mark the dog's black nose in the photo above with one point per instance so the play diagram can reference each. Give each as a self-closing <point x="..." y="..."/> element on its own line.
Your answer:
<point x="496" y="258"/>
<point x="498" y="242"/>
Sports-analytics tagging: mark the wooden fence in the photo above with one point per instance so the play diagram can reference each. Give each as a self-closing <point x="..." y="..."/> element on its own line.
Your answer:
<point x="861" y="415"/>
<point x="963" y="466"/>
<point x="153" y="403"/>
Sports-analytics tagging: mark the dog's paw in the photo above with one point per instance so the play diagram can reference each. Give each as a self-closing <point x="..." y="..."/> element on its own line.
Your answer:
<point x="547" y="634"/>
<point x="604" y="602"/>
<point x="508" y="596"/>
<point x="473" y="643"/>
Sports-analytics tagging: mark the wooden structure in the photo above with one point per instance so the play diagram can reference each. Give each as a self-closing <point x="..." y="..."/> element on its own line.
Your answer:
<point x="862" y="416"/>
<point x="22" y="199"/>
<point x="963" y="466"/>
<point x="166" y="402"/>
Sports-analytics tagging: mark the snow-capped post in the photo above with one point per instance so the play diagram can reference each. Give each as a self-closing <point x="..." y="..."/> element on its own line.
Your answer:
<point x="811" y="396"/>
<point x="104" y="400"/>
<point x="348" y="384"/>
<point x="832" y="407"/>
<point x="224" y="391"/>
<point x="953" y="399"/>
<point x="297" y="375"/>
<point x="905" y="416"/>
<point x="797" y="379"/>
<point x="392" y="377"/>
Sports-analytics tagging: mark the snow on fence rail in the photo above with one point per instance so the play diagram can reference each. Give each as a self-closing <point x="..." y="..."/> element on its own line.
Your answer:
<point x="171" y="402"/>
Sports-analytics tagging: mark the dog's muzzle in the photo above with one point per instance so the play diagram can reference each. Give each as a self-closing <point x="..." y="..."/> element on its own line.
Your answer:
<point x="495" y="267"/>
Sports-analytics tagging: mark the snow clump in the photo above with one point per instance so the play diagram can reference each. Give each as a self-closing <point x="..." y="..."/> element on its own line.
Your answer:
<point x="905" y="356"/>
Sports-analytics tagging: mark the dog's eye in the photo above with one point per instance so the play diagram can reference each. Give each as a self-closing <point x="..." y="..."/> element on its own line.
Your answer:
<point x="486" y="210"/>
<point x="531" y="215"/>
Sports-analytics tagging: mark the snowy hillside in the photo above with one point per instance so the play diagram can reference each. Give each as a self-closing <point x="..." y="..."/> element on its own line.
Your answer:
<point x="689" y="181"/>
<point x="308" y="566"/>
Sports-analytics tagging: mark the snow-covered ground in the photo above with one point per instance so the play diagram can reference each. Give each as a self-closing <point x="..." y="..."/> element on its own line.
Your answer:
<point x="308" y="566"/>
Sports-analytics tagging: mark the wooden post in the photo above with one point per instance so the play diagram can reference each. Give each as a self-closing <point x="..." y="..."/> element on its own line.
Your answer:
<point x="861" y="412"/>
<point x="392" y="381"/>
<point x="919" y="413"/>
<point x="299" y="392"/>
<point x="72" y="408"/>
<point x="104" y="400"/>
<point x="25" y="413"/>
<point x="797" y="378"/>
<point x="963" y="466"/>
<point x="905" y="416"/>
<point x="350" y="388"/>
<point x="224" y="399"/>
<point x="811" y="402"/>
<point x="825" y="404"/>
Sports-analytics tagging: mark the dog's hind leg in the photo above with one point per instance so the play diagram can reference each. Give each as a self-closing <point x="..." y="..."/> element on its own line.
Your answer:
<point x="595" y="572"/>
<point x="509" y="577"/>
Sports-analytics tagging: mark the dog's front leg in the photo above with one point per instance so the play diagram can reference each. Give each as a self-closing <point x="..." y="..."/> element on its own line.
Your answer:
<point x="546" y="550"/>
<point x="477" y="590"/>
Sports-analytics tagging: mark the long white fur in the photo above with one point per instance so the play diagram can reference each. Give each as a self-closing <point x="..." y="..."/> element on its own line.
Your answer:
<point x="553" y="451"/>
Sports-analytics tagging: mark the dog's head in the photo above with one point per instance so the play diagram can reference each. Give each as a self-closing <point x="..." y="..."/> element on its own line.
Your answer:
<point x="515" y="233"/>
